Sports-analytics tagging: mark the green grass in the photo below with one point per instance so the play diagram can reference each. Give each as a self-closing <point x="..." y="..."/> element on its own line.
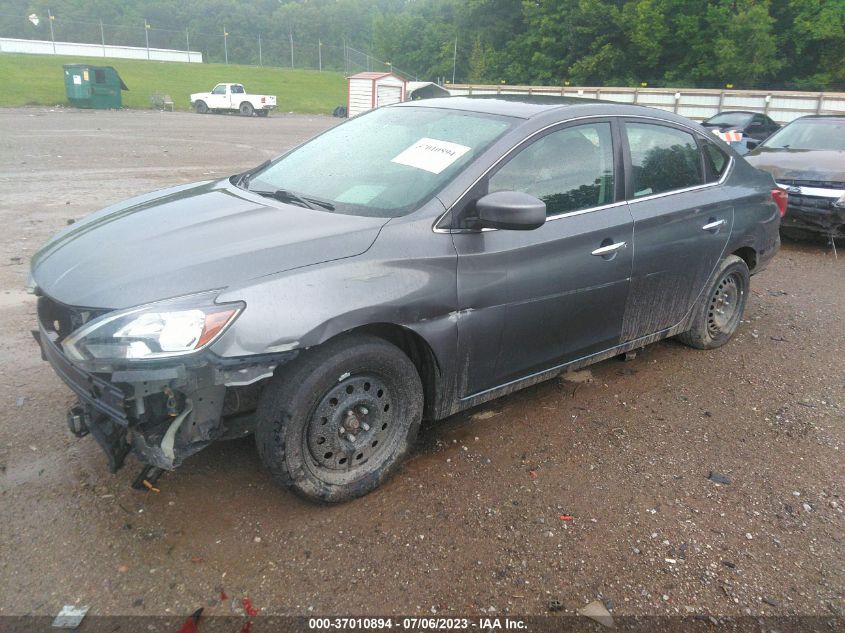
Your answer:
<point x="39" y="80"/>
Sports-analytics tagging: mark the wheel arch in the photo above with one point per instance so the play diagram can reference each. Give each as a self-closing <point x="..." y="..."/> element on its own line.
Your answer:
<point x="748" y="255"/>
<point x="415" y="347"/>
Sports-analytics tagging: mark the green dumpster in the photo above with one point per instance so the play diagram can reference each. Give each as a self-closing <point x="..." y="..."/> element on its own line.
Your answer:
<point x="89" y="86"/>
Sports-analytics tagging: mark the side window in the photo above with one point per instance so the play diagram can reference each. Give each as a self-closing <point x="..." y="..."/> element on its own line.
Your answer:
<point x="662" y="159"/>
<point x="219" y="90"/>
<point x="99" y="76"/>
<point x="569" y="169"/>
<point x="237" y="90"/>
<point x="717" y="161"/>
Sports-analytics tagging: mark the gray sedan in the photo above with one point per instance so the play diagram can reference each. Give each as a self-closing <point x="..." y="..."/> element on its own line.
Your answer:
<point x="408" y="264"/>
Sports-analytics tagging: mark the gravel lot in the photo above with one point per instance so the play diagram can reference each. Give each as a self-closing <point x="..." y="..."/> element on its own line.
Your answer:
<point x="473" y="520"/>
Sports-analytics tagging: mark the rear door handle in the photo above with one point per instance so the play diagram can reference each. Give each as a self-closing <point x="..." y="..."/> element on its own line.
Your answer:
<point x="610" y="248"/>
<point x="712" y="226"/>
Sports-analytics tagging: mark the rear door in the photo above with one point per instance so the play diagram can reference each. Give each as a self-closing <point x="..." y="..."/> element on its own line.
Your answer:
<point x="758" y="128"/>
<point x="531" y="300"/>
<point x="682" y="221"/>
<point x="236" y="95"/>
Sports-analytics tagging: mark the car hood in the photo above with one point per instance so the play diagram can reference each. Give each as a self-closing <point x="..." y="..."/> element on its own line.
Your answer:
<point x="800" y="164"/>
<point x="188" y="239"/>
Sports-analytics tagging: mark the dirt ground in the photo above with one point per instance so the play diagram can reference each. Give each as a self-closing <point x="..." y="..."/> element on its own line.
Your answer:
<point x="474" y="519"/>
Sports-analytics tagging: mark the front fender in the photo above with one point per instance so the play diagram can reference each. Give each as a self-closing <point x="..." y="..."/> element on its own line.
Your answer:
<point x="407" y="278"/>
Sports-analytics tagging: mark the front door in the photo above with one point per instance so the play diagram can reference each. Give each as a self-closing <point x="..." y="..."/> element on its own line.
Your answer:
<point x="532" y="300"/>
<point x="219" y="98"/>
<point x="681" y="223"/>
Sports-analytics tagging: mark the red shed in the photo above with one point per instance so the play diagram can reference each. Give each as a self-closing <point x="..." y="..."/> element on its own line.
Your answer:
<point x="373" y="89"/>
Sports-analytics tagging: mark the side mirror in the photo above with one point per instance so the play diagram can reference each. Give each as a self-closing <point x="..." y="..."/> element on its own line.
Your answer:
<point x="511" y="210"/>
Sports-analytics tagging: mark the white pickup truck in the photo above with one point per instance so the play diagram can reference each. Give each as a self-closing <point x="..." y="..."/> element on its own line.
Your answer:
<point x="230" y="98"/>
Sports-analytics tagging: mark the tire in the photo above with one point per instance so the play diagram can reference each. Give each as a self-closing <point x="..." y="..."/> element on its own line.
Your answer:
<point x="201" y="107"/>
<point x="338" y="421"/>
<point x="718" y="311"/>
<point x="246" y="109"/>
<point x="262" y="113"/>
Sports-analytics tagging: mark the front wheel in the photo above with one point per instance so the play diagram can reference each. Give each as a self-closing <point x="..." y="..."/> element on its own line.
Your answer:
<point x="337" y="421"/>
<point x="201" y="107"/>
<point x="719" y="310"/>
<point x="246" y="109"/>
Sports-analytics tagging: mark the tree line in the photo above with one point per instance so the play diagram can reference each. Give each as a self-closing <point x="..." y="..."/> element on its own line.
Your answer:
<point x="793" y="44"/>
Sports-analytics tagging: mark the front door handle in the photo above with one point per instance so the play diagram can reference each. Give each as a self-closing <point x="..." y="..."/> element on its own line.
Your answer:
<point x="609" y="249"/>
<point x="712" y="226"/>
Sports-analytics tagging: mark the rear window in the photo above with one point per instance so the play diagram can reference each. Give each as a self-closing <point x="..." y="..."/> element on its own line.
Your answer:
<point x="737" y="119"/>
<point x="717" y="162"/>
<point x="663" y="159"/>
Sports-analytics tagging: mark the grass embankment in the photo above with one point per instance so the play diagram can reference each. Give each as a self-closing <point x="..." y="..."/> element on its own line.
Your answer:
<point x="39" y="80"/>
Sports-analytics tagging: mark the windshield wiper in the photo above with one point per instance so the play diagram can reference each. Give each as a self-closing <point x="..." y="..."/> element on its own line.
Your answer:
<point x="285" y="195"/>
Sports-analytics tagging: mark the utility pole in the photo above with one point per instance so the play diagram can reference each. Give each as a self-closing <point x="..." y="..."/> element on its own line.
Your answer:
<point x="103" y="38"/>
<point x="290" y="35"/>
<point x="454" y="59"/>
<point x="345" y="56"/>
<point x="260" y="59"/>
<point x="320" y="55"/>
<point x="147" y="36"/>
<point x="188" y="43"/>
<point x="52" y="34"/>
<point x="225" y="46"/>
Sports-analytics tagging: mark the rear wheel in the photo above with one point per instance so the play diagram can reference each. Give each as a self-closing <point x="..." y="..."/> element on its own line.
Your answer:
<point x="719" y="310"/>
<point x="201" y="107"/>
<point x="246" y="109"/>
<point x="337" y="422"/>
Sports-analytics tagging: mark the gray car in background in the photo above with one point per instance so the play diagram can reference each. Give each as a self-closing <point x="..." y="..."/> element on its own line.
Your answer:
<point x="408" y="264"/>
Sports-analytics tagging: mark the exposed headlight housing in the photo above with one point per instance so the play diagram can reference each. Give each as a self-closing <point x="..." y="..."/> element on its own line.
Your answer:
<point x="158" y="330"/>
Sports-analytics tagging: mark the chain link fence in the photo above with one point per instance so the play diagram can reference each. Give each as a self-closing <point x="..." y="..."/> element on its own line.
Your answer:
<point x="228" y="46"/>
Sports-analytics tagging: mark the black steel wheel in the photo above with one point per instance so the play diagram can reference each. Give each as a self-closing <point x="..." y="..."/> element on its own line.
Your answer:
<point x="336" y="422"/>
<point x="201" y="107"/>
<point x="718" y="313"/>
<point x="724" y="312"/>
<point x="352" y="424"/>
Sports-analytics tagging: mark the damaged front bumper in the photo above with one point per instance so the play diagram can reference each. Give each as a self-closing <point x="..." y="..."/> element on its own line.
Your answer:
<point x="816" y="208"/>
<point x="161" y="411"/>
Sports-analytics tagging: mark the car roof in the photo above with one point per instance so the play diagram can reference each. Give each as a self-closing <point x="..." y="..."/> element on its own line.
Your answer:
<point x="834" y="117"/>
<point x="531" y="106"/>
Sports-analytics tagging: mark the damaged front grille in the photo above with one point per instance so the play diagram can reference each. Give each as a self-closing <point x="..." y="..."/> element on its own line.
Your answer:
<point x="63" y="319"/>
<point x="822" y="184"/>
<point x="810" y="202"/>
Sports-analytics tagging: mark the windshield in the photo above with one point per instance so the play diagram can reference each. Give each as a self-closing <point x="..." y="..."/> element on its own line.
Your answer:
<point x="827" y="134"/>
<point x="729" y="118"/>
<point x="384" y="163"/>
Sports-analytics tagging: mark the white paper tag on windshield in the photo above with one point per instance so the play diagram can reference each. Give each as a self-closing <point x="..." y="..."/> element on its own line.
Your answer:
<point x="431" y="155"/>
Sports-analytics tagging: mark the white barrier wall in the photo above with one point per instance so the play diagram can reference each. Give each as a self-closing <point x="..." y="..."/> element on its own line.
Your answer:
<point x="43" y="47"/>
<point x="698" y="104"/>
